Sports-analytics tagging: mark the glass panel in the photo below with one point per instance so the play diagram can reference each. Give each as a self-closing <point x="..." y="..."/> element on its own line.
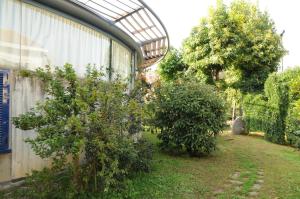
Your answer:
<point x="121" y="61"/>
<point x="10" y="26"/>
<point x="49" y="39"/>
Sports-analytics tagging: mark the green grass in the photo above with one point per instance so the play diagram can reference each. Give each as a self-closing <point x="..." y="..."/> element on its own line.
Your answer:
<point x="185" y="177"/>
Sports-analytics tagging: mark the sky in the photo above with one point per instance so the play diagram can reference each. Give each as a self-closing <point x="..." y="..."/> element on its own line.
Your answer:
<point x="180" y="16"/>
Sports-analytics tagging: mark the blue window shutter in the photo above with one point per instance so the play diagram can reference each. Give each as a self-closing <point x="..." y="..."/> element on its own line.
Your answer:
<point x="4" y="111"/>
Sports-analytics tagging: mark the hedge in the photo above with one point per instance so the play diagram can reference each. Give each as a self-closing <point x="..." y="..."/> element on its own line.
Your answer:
<point x="268" y="112"/>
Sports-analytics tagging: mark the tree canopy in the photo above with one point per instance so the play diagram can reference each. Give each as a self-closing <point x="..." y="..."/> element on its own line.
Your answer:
<point x="172" y="66"/>
<point x="238" y="40"/>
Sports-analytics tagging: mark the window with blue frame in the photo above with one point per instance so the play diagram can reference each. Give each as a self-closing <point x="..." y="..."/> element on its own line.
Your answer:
<point x="4" y="111"/>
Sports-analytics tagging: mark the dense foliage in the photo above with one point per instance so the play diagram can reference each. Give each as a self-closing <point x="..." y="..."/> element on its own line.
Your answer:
<point x="276" y="111"/>
<point x="234" y="101"/>
<point x="255" y="109"/>
<point x="293" y="127"/>
<point x="277" y="93"/>
<point x="292" y="77"/>
<point x="239" y="41"/>
<point x="85" y="126"/>
<point x="172" y="66"/>
<point x="189" y="116"/>
<point x="268" y="113"/>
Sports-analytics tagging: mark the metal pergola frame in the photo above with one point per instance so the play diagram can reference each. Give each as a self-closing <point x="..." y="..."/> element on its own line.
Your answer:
<point x="136" y="19"/>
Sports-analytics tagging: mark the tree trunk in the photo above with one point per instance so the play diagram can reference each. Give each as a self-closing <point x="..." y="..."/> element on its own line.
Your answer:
<point x="233" y="111"/>
<point x="76" y="176"/>
<point x="217" y="75"/>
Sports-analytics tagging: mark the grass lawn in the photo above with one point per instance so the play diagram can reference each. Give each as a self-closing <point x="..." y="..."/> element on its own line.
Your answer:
<point x="241" y="165"/>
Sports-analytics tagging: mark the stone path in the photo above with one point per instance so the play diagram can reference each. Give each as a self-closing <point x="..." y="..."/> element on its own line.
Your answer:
<point x="258" y="184"/>
<point x="236" y="181"/>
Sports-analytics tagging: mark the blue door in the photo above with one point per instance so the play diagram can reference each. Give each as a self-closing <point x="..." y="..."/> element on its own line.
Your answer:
<point x="4" y="111"/>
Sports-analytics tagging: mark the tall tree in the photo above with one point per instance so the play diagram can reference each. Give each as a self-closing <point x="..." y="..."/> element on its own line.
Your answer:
<point x="240" y="41"/>
<point x="172" y="66"/>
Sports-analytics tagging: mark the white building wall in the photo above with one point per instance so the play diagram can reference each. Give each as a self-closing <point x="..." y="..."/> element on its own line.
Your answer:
<point x="32" y="37"/>
<point x="25" y="93"/>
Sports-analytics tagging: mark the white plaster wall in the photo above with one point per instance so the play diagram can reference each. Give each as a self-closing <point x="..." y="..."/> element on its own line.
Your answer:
<point x="25" y="93"/>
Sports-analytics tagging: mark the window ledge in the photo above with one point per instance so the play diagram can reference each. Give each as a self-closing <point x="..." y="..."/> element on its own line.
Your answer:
<point x="5" y="151"/>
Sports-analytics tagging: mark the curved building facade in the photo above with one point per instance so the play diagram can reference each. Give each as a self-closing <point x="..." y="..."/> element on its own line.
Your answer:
<point x="121" y="35"/>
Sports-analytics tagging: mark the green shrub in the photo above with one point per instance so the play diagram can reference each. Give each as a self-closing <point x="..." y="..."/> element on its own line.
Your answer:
<point x="144" y="156"/>
<point x="255" y="108"/>
<point x="293" y="119"/>
<point x="189" y="116"/>
<point x="86" y="127"/>
<point x="293" y="128"/>
<point x="276" y="112"/>
<point x="277" y="92"/>
<point x="172" y="66"/>
<point x="268" y="112"/>
<point x="45" y="185"/>
<point x="291" y="78"/>
<point x="293" y="139"/>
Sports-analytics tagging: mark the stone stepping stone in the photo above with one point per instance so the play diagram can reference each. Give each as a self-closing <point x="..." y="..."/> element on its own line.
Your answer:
<point x="253" y="194"/>
<point x="218" y="192"/>
<point x="227" y="185"/>
<point x="235" y="176"/>
<point x="260" y="177"/>
<point x="260" y="181"/>
<point x="261" y="173"/>
<point x="236" y="182"/>
<point x="238" y="189"/>
<point x="256" y="187"/>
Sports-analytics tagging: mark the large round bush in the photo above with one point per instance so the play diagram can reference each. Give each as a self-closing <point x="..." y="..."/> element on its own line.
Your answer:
<point x="189" y="116"/>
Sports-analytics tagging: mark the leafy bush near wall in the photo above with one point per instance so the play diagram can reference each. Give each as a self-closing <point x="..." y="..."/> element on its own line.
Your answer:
<point x="255" y="108"/>
<point x="293" y="127"/>
<point x="268" y="112"/>
<point x="293" y="119"/>
<point x="189" y="116"/>
<point x="85" y="126"/>
<point x="277" y="92"/>
<point x="281" y="118"/>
